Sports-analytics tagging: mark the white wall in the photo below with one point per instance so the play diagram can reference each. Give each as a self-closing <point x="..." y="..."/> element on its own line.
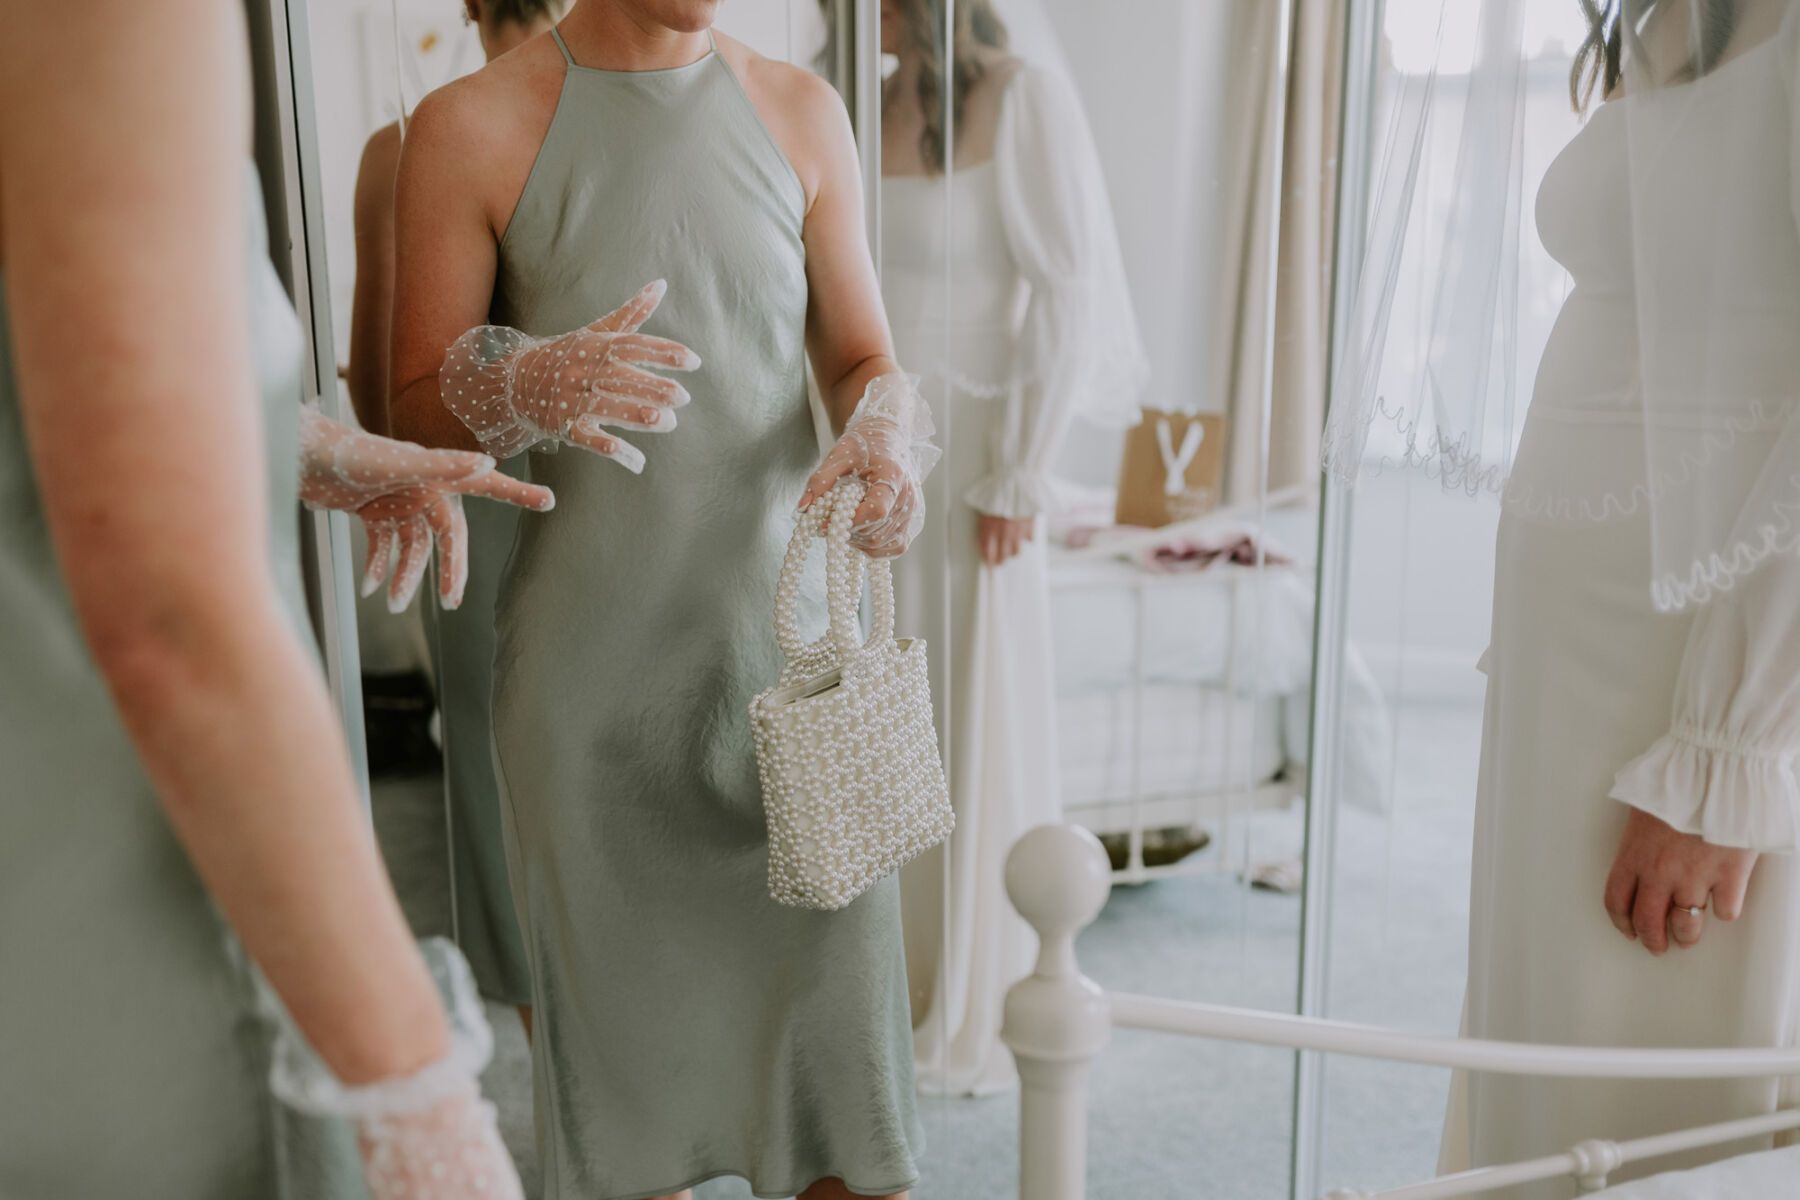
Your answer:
<point x="1152" y="74"/>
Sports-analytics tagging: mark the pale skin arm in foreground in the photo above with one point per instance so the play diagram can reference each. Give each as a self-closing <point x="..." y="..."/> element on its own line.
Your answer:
<point x="123" y="135"/>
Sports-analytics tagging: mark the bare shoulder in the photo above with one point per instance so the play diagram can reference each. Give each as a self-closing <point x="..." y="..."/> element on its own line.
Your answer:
<point x="507" y="100"/>
<point x="381" y="153"/>
<point x="375" y="172"/>
<point x="802" y="110"/>
<point x="481" y="133"/>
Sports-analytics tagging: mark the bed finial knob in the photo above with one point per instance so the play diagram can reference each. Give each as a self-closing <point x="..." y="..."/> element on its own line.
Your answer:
<point x="1058" y="878"/>
<point x="1595" y="1159"/>
<point x="1057" y="1019"/>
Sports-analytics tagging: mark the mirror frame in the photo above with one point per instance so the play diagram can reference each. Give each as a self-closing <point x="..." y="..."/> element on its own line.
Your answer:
<point x="287" y="159"/>
<point x="1331" y="598"/>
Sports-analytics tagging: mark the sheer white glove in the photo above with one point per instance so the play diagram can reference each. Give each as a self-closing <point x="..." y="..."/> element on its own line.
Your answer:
<point x="430" y="1135"/>
<point x="515" y="391"/>
<point x="887" y="445"/>
<point x="405" y="495"/>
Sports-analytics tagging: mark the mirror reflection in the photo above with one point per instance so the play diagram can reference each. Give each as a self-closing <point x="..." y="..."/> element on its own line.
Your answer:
<point x="1080" y="260"/>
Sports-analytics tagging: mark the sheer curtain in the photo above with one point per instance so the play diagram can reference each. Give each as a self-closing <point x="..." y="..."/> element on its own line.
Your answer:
<point x="1285" y="145"/>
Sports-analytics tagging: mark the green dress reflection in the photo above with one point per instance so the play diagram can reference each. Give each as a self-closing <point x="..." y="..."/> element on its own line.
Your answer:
<point x="462" y="656"/>
<point x="686" y="1025"/>
<point x="133" y="1061"/>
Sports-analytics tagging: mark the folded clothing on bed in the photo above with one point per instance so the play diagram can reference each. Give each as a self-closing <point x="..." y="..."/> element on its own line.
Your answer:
<point x="1190" y="546"/>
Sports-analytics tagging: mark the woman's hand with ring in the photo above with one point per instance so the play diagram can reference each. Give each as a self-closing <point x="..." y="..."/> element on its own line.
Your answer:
<point x="1662" y="880"/>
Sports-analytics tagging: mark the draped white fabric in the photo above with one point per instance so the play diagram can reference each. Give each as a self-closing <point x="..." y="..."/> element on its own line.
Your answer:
<point x="987" y="629"/>
<point x="1748" y="1177"/>
<point x="1646" y="620"/>
<point x="1006" y="291"/>
<point x="1079" y="354"/>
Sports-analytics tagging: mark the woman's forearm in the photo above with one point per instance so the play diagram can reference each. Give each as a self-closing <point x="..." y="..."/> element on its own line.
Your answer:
<point x="841" y="397"/>
<point x="417" y="414"/>
<point x="237" y="734"/>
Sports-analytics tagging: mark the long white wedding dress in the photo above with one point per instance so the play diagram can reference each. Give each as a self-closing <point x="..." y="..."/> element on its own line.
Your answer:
<point x="1595" y="699"/>
<point x="994" y="302"/>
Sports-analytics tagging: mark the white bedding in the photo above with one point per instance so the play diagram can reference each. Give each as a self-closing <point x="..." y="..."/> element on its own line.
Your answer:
<point x="1770" y="1175"/>
<point x="1191" y="631"/>
<point x="1189" y="627"/>
<point x="1192" y="737"/>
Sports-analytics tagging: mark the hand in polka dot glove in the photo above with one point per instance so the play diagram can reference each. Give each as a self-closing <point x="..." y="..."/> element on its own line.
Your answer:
<point x="406" y="495"/>
<point x="514" y="391"/>
<point x="886" y="445"/>
<point x="424" y="1136"/>
<point x="448" y="1151"/>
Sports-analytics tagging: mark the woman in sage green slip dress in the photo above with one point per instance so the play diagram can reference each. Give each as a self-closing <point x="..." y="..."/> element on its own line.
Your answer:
<point x="686" y="1026"/>
<point x="170" y="758"/>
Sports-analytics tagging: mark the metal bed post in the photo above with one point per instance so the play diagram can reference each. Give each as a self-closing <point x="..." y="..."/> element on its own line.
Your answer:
<point x="1058" y="1020"/>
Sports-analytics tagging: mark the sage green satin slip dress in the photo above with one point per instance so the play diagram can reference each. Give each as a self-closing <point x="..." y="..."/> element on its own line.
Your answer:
<point x="133" y="1053"/>
<point x="686" y="1025"/>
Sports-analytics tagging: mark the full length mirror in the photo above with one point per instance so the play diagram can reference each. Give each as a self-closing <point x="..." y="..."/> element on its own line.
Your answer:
<point x="1083" y="257"/>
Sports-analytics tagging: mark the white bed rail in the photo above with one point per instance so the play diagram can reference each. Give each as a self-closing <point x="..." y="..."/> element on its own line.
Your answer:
<point x="1058" y="1020"/>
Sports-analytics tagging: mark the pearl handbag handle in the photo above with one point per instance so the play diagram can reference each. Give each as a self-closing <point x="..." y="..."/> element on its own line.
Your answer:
<point x="834" y="514"/>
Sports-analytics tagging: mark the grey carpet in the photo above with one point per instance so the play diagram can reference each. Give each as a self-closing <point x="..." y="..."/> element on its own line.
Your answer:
<point x="1171" y="1117"/>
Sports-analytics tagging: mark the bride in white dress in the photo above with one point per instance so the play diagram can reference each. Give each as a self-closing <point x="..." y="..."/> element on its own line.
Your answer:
<point x="1634" y="880"/>
<point x="1013" y="307"/>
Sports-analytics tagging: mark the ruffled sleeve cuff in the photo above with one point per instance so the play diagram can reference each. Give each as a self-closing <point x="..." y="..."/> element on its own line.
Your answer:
<point x="1731" y="794"/>
<point x="1016" y="495"/>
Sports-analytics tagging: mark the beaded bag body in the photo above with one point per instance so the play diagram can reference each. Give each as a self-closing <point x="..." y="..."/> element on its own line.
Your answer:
<point x="853" y="786"/>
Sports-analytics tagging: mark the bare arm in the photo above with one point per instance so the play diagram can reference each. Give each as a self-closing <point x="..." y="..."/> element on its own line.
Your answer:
<point x="372" y="306"/>
<point x="122" y="135"/>
<point x="445" y="255"/>
<point x="847" y="334"/>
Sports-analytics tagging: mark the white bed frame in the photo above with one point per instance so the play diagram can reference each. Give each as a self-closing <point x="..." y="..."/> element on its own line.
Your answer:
<point x="1058" y="1020"/>
<point x="1144" y="809"/>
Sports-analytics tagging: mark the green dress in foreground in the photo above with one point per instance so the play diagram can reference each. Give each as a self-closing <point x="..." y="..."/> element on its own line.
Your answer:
<point x="133" y="1061"/>
<point x="687" y="1026"/>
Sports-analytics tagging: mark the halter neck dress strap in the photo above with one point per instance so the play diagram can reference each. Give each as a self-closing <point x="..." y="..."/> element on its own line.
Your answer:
<point x="712" y="45"/>
<point x="556" y="36"/>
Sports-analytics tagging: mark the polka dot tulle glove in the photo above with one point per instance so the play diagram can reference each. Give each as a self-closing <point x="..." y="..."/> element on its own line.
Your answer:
<point x="887" y="445"/>
<point x="449" y="1151"/>
<point x="515" y="391"/>
<point x="406" y="496"/>
<point x="429" y="1135"/>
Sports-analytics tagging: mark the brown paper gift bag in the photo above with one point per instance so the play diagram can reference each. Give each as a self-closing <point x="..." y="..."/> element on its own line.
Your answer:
<point x="1174" y="465"/>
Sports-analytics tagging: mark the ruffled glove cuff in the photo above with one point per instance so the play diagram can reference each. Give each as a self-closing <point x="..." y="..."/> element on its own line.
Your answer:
<point x="301" y="1079"/>
<point x="515" y="392"/>
<point x="1729" y="793"/>
<point x="895" y="397"/>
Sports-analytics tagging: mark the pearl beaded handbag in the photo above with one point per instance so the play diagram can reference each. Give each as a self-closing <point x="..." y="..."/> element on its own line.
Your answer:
<point x="852" y="783"/>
